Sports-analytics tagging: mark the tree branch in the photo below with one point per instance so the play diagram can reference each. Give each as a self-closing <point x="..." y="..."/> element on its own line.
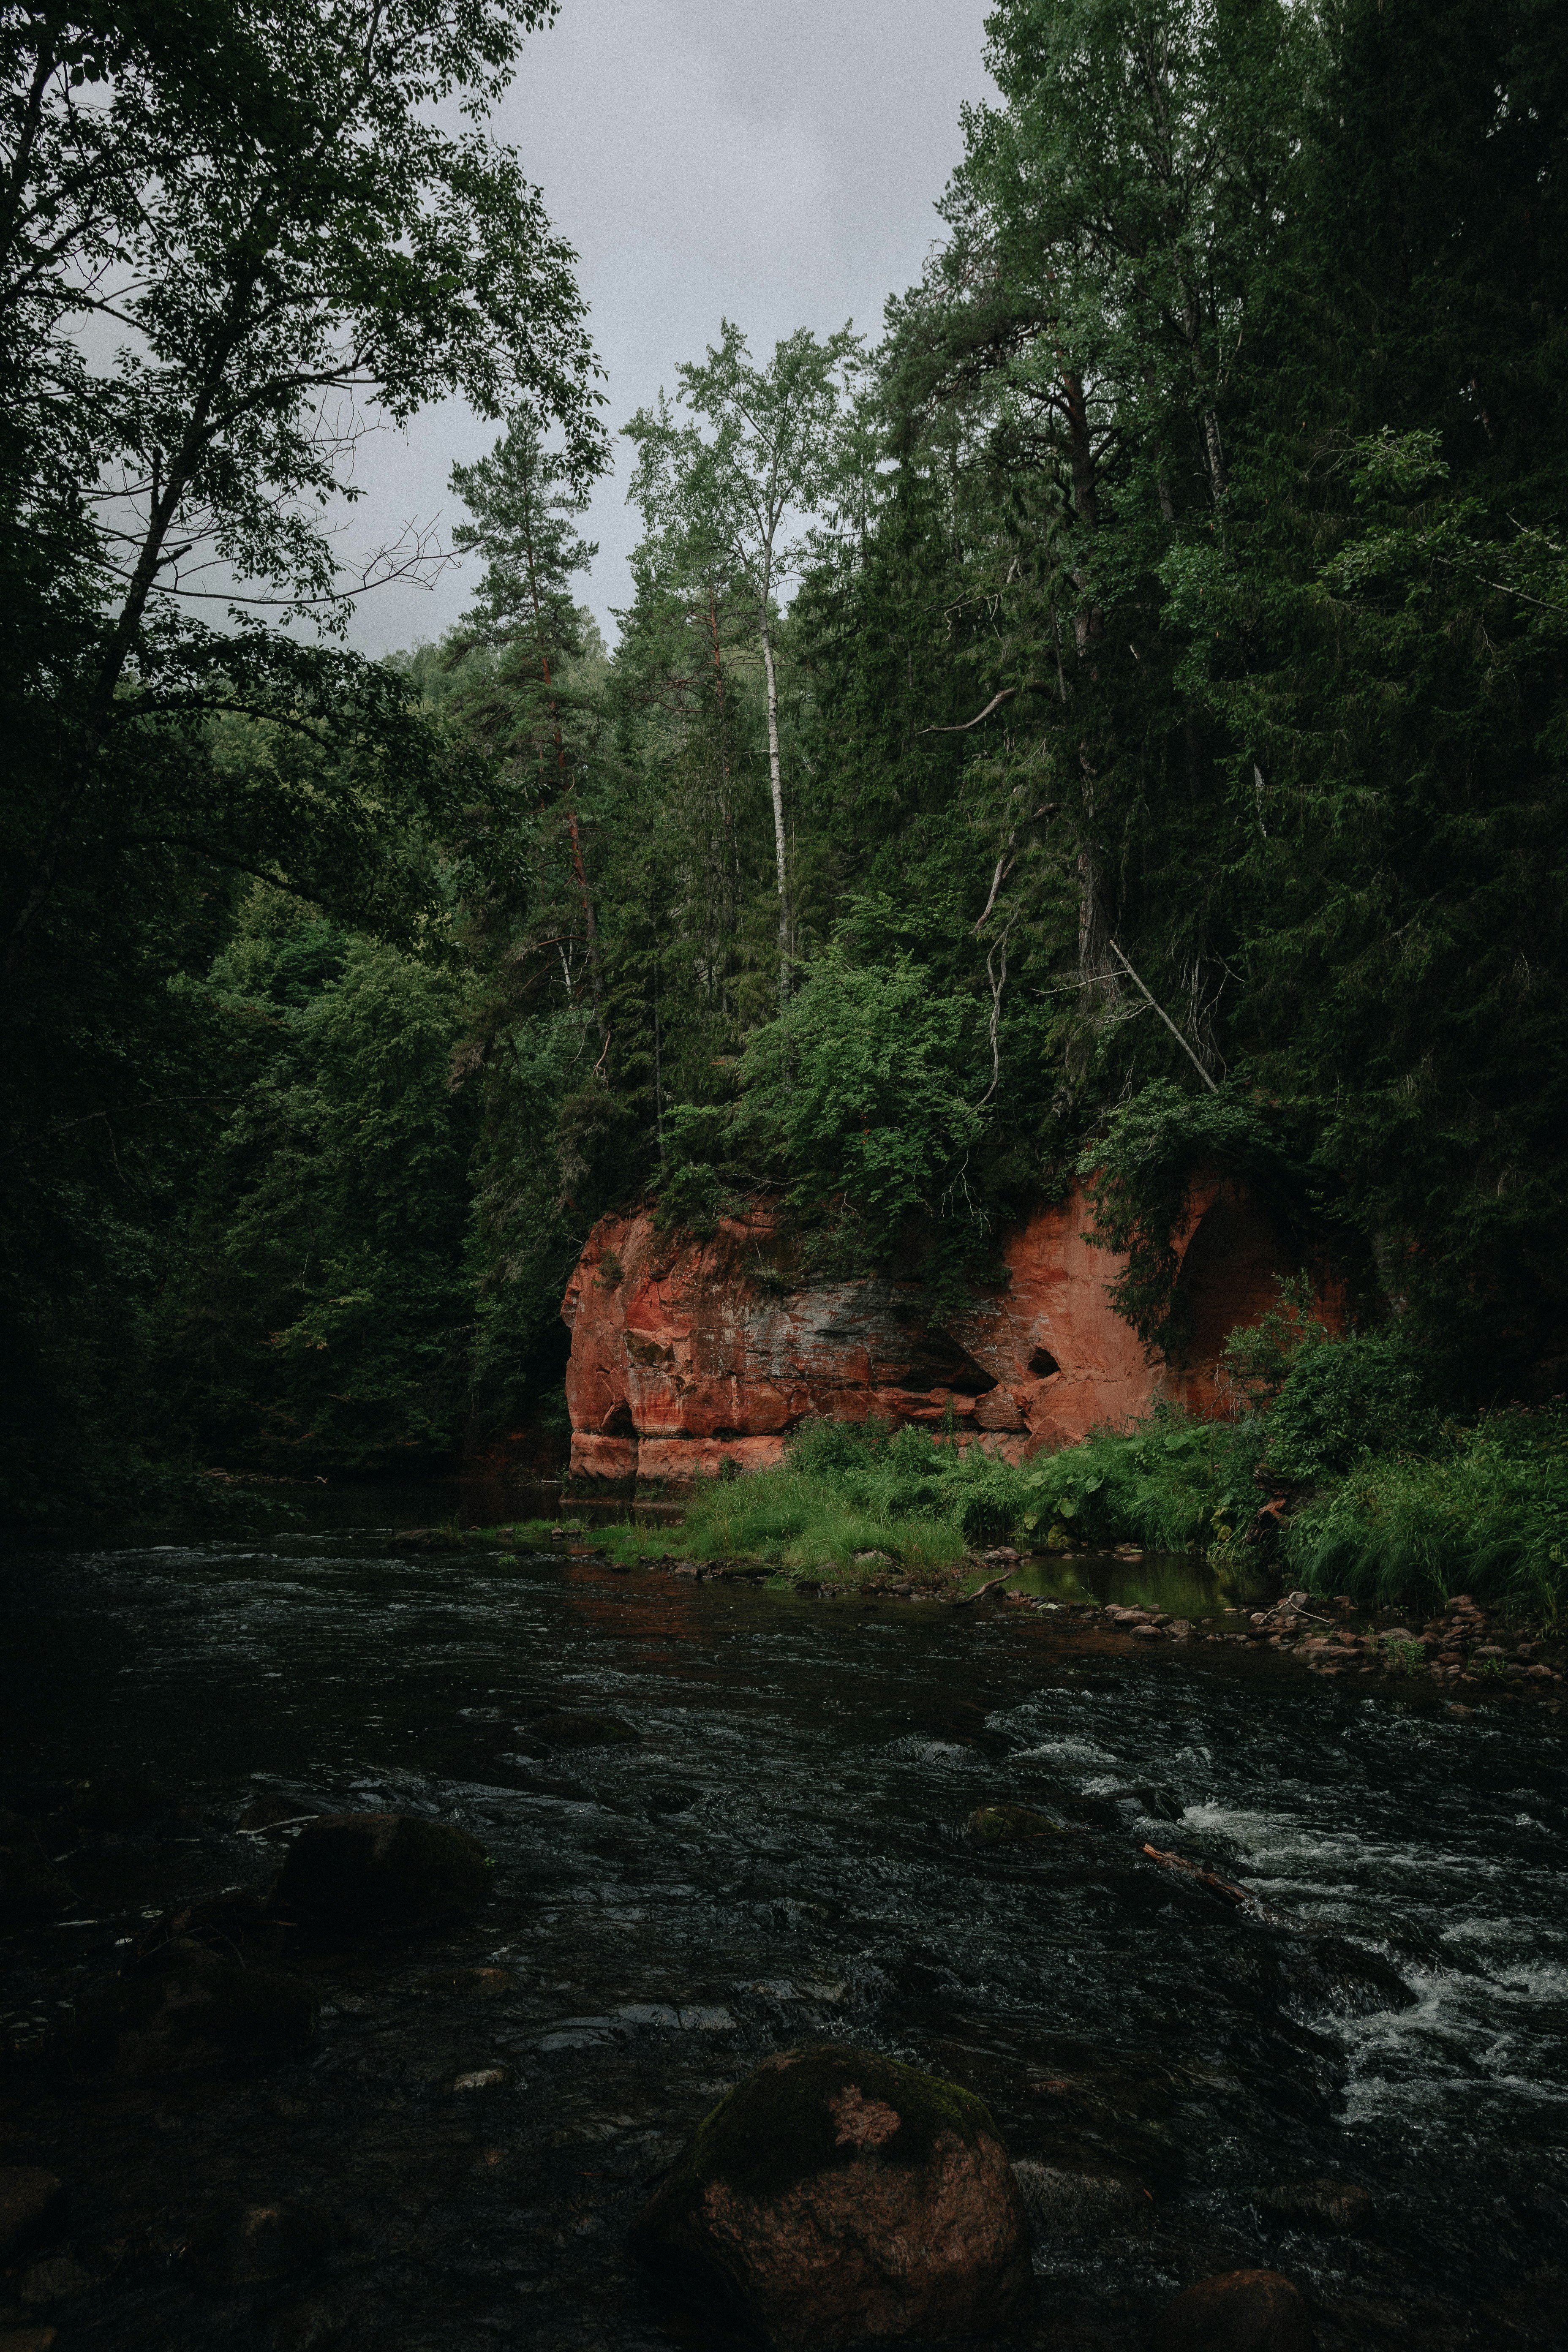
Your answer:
<point x="1034" y="686"/>
<point x="1165" y="1017"/>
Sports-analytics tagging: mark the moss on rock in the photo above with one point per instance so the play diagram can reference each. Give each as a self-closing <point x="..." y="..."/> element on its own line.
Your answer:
<point x="780" y="2125"/>
<point x="837" y="2196"/>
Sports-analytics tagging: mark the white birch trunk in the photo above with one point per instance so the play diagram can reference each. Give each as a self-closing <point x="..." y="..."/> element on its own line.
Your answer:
<point x="775" y="774"/>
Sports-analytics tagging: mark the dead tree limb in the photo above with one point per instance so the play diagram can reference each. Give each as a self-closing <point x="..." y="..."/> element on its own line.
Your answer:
<point x="1165" y="1017"/>
<point x="1006" y="694"/>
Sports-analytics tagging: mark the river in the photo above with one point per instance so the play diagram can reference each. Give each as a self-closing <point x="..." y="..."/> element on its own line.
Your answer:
<point x="783" y="1857"/>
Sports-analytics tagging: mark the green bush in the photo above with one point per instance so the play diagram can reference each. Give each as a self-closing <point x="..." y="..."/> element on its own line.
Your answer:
<point x="1171" y="1482"/>
<point x="1342" y="1400"/>
<point x="1488" y="1516"/>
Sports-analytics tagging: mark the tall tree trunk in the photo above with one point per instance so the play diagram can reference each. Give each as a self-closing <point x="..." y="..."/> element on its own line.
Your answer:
<point x="775" y="774"/>
<point x="728" y="887"/>
<point x="589" y="928"/>
<point x="1094" y="923"/>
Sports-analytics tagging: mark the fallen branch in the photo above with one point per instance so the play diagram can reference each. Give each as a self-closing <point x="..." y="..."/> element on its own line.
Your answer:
<point x="1211" y="1083"/>
<point x="980" y="1590"/>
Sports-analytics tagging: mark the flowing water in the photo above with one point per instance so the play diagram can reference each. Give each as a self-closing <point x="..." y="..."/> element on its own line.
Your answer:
<point x="783" y="1857"/>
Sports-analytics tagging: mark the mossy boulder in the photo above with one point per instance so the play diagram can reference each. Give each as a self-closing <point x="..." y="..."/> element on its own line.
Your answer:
<point x="568" y="1729"/>
<point x="373" y="1872"/>
<point x="210" y="2015"/>
<point x="1011" y="1825"/>
<point x="1240" y="2311"/>
<point x="836" y="2197"/>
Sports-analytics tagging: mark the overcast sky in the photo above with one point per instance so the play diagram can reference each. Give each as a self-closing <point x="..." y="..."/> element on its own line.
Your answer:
<point x="770" y="161"/>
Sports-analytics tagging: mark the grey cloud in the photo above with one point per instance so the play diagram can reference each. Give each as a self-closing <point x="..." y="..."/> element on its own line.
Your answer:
<point x="776" y="164"/>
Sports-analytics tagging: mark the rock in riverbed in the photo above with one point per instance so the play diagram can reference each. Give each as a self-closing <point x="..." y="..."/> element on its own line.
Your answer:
<point x="30" y="1887"/>
<point x="1326" y="2206"/>
<point x="242" y="2245"/>
<point x="1240" y="2311"/>
<point x="1067" y="2200"/>
<point x="1011" y="1825"/>
<point x="572" y="1730"/>
<point x="837" y="2196"/>
<point x="31" y="2201"/>
<point x="209" y="2015"/>
<point x="375" y="1872"/>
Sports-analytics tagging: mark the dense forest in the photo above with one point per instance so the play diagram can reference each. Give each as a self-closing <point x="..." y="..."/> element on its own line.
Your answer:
<point x="1116" y="720"/>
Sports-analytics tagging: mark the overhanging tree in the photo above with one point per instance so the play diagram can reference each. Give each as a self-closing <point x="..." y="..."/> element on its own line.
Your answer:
<point x="278" y="273"/>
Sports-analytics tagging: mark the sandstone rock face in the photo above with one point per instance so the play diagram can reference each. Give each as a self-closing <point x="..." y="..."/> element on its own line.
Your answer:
<point x="381" y="1871"/>
<point x="687" y="1353"/>
<point x="838" y="2196"/>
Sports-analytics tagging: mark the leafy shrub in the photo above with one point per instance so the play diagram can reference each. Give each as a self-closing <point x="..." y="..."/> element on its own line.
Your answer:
<point x="1343" y="1400"/>
<point x="1171" y="1482"/>
<point x="1489" y="1516"/>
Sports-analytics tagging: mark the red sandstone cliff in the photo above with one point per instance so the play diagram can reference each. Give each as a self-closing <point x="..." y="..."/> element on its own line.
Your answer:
<point x="684" y="1351"/>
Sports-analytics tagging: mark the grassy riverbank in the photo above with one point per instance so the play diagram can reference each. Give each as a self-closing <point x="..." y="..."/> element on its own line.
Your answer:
<point x="1481" y="1508"/>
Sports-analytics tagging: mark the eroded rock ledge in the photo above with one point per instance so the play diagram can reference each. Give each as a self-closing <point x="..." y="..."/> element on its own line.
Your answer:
<point x="685" y="1352"/>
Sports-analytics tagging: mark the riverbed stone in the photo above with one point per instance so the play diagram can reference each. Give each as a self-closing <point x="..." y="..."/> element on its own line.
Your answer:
<point x="378" y="1872"/>
<point x="570" y="1729"/>
<point x="1011" y="1825"/>
<point x="31" y="2204"/>
<point x="1326" y="2206"/>
<point x="1068" y="2200"/>
<point x="1240" y="2311"/>
<point x="245" y="2245"/>
<point x="116" y="1803"/>
<point x="55" y="2280"/>
<point x="31" y="1886"/>
<point x="212" y="2014"/>
<point x="836" y="2197"/>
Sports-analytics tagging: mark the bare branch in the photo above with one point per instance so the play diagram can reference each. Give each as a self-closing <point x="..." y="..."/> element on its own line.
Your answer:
<point x="1034" y="686"/>
<point x="1165" y="1017"/>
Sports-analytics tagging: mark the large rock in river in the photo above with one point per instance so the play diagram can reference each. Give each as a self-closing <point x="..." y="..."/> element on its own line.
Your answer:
<point x="1240" y="2311"/>
<point x="380" y="1870"/>
<point x="838" y="2196"/>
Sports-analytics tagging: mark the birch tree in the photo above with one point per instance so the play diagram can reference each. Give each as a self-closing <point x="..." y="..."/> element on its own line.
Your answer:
<point x="759" y="452"/>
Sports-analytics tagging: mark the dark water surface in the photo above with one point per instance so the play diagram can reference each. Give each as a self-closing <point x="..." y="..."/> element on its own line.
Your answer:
<point x="783" y="1857"/>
